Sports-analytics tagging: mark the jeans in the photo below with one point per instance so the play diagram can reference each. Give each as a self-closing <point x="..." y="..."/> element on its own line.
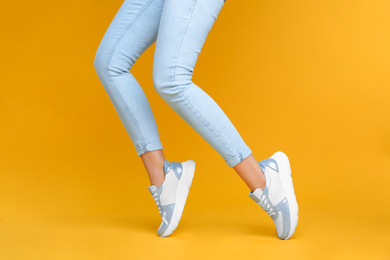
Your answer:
<point x="180" y="28"/>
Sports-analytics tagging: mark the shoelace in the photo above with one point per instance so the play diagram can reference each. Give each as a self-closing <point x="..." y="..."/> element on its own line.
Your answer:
<point x="267" y="206"/>
<point x="163" y="215"/>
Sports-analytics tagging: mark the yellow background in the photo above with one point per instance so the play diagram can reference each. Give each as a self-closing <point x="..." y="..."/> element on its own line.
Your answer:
<point x="310" y="78"/>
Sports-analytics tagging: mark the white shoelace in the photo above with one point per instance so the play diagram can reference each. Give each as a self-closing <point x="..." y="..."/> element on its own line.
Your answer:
<point x="267" y="206"/>
<point x="163" y="215"/>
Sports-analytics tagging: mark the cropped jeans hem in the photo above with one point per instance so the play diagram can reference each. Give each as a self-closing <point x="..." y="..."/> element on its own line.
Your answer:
<point x="148" y="148"/>
<point x="239" y="158"/>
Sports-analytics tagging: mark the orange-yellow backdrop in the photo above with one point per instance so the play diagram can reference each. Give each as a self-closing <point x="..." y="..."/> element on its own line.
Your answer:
<point x="310" y="78"/>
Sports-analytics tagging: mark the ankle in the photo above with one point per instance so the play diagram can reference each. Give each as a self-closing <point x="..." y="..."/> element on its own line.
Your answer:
<point x="157" y="179"/>
<point x="259" y="183"/>
<point x="154" y="165"/>
<point x="262" y="187"/>
<point x="263" y="180"/>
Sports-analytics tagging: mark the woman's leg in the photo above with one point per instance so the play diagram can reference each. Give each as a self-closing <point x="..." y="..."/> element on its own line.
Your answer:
<point x="154" y="165"/>
<point x="132" y="31"/>
<point x="183" y="29"/>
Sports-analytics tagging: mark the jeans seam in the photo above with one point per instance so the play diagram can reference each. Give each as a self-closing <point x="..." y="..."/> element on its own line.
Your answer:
<point x="181" y="43"/>
<point x="208" y="123"/>
<point x="181" y="92"/>
<point x="127" y="27"/>
<point x="111" y="54"/>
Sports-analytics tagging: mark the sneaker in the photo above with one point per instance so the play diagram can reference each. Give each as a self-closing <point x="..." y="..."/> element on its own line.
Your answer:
<point x="278" y="197"/>
<point x="171" y="196"/>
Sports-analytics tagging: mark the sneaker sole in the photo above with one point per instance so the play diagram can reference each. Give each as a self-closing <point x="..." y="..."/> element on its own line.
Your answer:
<point x="287" y="183"/>
<point x="181" y="196"/>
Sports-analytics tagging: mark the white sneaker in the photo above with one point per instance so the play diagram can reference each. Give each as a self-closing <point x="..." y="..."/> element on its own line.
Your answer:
<point x="171" y="196"/>
<point x="278" y="197"/>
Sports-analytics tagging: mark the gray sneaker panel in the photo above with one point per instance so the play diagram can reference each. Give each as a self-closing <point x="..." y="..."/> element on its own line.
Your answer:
<point x="265" y="203"/>
<point x="270" y="163"/>
<point x="153" y="190"/>
<point x="177" y="169"/>
<point x="166" y="167"/>
<point x="166" y="215"/>
<point x="273" y="211"/>
<point x="284" y="208"/>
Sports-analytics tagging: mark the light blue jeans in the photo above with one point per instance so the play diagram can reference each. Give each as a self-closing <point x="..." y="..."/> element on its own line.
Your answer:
<point x="180" y="28"/>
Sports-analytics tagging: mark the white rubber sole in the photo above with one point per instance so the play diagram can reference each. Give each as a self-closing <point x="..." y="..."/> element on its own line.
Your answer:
<point x="287" y="183"/>
<point x="181" y="196"/>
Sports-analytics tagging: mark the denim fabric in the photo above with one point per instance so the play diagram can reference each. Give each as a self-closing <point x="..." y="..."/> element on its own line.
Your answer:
<point x="180" y="28"/>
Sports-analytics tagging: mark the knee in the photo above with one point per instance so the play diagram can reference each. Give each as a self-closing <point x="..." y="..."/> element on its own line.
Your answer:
<point x="109" y="64"/>
<point x="99" y="62"/>
<point x="103" y="65"/>
<point x="160" y="80"/>
<point x="166" y="83"/>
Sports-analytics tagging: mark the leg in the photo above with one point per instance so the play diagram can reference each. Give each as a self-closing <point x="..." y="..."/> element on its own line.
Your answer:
<point x="132" y="31"/>
<point x="154" y="163"/>
<point x="249" y="170"/>
<point x="183" y="29"/>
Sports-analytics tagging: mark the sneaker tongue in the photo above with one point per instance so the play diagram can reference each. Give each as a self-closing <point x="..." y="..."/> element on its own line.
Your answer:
<point x="258" y="192"/>
<point x="152" y="188"/>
